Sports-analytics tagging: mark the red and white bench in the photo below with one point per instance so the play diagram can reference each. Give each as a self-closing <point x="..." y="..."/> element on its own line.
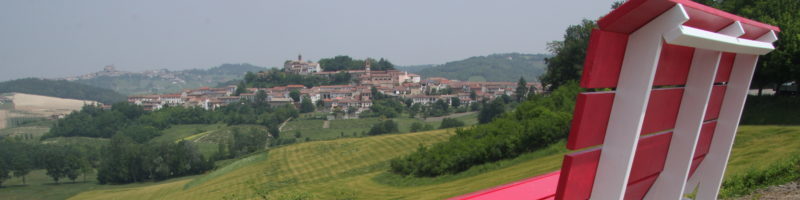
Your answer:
<point x="679" y="72"/>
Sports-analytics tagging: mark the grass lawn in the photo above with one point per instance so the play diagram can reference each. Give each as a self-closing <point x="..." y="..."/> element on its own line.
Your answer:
<point x="356" y="168"/>
<point x="312" y="128"/>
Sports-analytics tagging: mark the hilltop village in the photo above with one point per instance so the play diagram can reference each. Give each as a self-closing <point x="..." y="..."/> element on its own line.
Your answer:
<point x="356" y="96"/>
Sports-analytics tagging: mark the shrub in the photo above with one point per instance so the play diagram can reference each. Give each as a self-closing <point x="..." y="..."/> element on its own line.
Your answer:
<point x="450" y="123"/>
<point x="535" y="124"/>
<point x="781" y="172"/>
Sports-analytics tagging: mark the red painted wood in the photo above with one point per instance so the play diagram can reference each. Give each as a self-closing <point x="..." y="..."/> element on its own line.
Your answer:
<point x="539" y="188"/>
<point x="636" y="191"/>
<point x="636" y="13"/>
<point x="662" y="110"/>
<point x="725" y="66"/>
<point x="715" y="102"/>
<point x="695" y="163"/>
<point x="577" y="175"/>
<point x="673" y="65"/>
<point x="590" y="119"/>
<point x="603" y="59"/>
<point x="579" y="169"/>
<point x="602" y="66"/>
<point x="703" y="144"/>
<point x="592" y="111"/>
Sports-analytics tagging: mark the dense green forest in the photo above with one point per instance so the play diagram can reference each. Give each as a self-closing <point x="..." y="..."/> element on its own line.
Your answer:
<point x="495" y="67"/>
<point x="140" y="83"/>
<point x="62" y="89"/>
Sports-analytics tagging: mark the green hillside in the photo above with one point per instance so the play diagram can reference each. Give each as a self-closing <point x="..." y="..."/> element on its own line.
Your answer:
<point x="62" y="89"/>
<point x="355" y="168"/>
<point x="139" y="83"/>
<point x="495" y="67"/>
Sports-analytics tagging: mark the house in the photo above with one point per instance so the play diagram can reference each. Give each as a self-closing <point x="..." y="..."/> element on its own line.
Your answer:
<point x="301" y="67"/>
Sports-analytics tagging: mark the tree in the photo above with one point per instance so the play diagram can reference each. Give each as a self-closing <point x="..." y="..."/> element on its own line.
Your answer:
<point x="450" y="123"/>
<point x="567" y="62"/>
<point x="387" y="126"/>
<point x="414" y="110"/>
<point x="491" y="110"/>
<point x="522" y="89"/>
<point x="249" y="77"/>
<point x="416" y="126"/>
<point x="473" y="95"/>
<point x="261" y="97"/>
<point x="241" y="88"/>
<point x="306" y="106"/>
<point x="455" y="102"/>
<point x="4" y="171"/>
<point x="21" y="164"/>
<point x="779" y="66"/>
<point x="295" y="95"/>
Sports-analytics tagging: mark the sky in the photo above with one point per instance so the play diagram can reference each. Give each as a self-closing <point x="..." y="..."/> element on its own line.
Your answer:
<point x="51" y="39"/>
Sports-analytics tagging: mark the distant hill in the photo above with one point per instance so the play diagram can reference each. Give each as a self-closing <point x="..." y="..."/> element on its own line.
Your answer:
<point x="164" y="81"/>
<point x="61" y="89"/>
<point x="495" y="67"/>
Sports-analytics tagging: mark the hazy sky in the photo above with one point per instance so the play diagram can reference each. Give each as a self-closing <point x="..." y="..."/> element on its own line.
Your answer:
<point x="63" y="38"/>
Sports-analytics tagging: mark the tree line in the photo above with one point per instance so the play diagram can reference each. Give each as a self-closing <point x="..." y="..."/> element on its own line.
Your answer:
<point x="278" y="77"/>
<point x="125" y="161"/>
<point x="61" y="162"/>
<point x="133" y="121"/>
<point x="341" y="62"/>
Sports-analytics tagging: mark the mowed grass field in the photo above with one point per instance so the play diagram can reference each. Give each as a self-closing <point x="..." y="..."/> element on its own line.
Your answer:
<point x="313" y="128"/>
<point x="356" y="168"/>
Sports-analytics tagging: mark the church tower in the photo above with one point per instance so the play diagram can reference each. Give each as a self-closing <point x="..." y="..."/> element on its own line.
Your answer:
<point x="366" y="68"/>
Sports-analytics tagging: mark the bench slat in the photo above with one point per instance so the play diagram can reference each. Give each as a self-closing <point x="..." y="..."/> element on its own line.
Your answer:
<point x="578" y="169"/>
<point x="592" y="111"/>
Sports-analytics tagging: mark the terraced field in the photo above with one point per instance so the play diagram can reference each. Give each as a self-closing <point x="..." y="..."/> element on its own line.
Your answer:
<point x="355" y="168"/>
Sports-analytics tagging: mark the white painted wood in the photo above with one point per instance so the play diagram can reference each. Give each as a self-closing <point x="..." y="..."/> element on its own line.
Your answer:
<point x="717" y="157"/>
<point x="716" y="160"/>
<point x="672" y="180"/>
<point x="630" y="104"/>
<point x="698" y="38"/>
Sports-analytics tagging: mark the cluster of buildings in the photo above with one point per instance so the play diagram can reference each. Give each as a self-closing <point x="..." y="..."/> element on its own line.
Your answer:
<point x="355" y="96"/>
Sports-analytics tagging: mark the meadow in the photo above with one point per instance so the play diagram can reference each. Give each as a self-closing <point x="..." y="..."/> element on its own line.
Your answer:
<point x="356" y="168"/>
<point x="313" y="128"/>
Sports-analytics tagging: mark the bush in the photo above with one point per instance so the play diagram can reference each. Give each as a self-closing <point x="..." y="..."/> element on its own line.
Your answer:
<point x="450" y="123"/>
<point x="388" y="126"/>
<point x="535" y="124"/>
<point x="781" y="172"/>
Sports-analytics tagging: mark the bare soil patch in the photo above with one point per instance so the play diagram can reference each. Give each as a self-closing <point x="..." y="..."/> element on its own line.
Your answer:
<point x="45" y="106"/>
<point x="785" y="191"/>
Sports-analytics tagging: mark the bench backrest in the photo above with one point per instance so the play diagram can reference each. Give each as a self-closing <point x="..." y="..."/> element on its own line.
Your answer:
<point x="608" y="47"/>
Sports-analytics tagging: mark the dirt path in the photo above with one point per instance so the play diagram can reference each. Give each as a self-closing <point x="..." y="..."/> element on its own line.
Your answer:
<point x="280" y="128"/>
<point x="326" y="124"/>
<point x="3" y="114"/>
<point x="433" y="119"/>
